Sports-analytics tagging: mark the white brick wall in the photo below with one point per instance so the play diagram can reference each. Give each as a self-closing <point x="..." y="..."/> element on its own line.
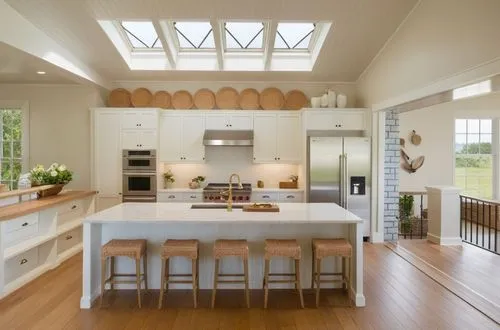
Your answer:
<point x="391" y="171"/>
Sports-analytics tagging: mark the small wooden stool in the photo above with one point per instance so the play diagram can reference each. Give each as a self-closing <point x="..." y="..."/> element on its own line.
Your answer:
<point x="132" y="248"/>
<point x="187" y="248"/>
<point x="322" y="248"/>
<point x="289" y="248"/>
<point x="231" y="248"/>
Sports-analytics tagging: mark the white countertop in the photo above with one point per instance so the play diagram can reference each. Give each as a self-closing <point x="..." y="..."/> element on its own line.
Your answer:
<point x="277" y="190"/>
<point x="175" y="190"/>
<point x="182" y="212"/>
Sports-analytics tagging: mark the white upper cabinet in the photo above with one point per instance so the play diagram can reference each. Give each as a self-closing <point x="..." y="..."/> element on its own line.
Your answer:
<point x="181" y="138"/>
<point x="140" y="119"/>
<point x="229" y="121"/>
<point x="354" y="119"/>
<point x="139" y="139"/>
<point x="139" y="129"/>
<point x="277" y="138"/>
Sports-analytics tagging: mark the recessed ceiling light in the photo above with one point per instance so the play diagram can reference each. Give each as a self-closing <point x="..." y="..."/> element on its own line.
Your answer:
<point x="41" y="72"/>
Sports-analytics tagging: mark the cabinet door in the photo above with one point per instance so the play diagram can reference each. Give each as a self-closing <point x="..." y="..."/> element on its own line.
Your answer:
<point x="241" y="122"/>
<point x="350" y="121"/>
<point x="322" y="120"/>
<point x="107" y="153"/>
<point x="148" y="119"/>
<point x="170" y="138"/>
<point x="131" y="139"/>
<point x="288" y="139"/>
<point x="193" y="128"/>
<point x="149" y="139"/>
<point x="216" y="121"/>
<point x="130" y="119"/>
<point x="264" y="139"/>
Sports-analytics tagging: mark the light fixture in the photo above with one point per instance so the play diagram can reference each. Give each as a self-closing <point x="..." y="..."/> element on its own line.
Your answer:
<point x="41" y="72"/>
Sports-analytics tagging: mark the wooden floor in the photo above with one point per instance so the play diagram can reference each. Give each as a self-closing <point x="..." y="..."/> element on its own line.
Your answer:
<point x="398" y="297"/>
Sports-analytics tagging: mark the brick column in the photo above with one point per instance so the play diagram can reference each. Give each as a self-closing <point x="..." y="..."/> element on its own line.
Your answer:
<point x="391" y="173"/>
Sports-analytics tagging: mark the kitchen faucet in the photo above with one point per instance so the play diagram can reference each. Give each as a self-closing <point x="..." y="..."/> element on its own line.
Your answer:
<point x="229" y="192"/>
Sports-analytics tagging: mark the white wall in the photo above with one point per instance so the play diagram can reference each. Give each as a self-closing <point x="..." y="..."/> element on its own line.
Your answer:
<point x="222" y="161"/>
<point x="59" y="125"/>
<point x="436" y="126"/>
<point x="439" y="39"/>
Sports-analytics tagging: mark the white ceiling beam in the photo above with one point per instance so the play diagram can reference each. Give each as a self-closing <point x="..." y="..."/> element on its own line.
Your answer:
<point x="163" y="32"/>
<point x="269" y="36"/>
<point x="217" y="29"/>
<point x="29" y="39"/>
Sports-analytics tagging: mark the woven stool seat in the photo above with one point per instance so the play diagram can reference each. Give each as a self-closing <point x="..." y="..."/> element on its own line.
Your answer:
<point x="325" y="247"/>
<point x="282" y="248"/>
<point x="231" y="247"/>
<point x="133" y="248"/>
<point x="180" y="248"/>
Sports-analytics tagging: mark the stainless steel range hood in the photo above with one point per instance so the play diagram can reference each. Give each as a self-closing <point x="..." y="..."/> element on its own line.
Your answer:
<point x="228" y="138"/>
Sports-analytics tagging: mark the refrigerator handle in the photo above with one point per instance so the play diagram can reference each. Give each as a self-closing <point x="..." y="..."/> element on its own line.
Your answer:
<point x="346" y="183"/>
<point x="341" y="180"/>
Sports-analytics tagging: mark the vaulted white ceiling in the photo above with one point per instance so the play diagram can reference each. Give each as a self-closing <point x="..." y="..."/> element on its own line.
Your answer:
<point x="360" y="29"/>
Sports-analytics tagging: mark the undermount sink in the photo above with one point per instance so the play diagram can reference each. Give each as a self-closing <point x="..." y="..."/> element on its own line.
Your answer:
<point x="214" y="206"/>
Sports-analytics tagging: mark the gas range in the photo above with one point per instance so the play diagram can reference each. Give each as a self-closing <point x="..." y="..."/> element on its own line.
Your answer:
<point x="212" y="192"/>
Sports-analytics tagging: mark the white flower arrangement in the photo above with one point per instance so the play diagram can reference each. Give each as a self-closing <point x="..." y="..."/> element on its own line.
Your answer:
<point x="55" y="174"/>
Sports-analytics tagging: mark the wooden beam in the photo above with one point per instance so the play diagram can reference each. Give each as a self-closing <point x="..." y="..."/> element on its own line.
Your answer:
<point x="218" y="31"/>
<point x="269" y="36"/>
<point x="168" y="47"/>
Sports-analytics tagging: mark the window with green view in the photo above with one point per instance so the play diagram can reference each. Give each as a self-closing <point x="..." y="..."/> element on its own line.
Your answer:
<point x="473" y="157"/>
<point x="11" y="146"/>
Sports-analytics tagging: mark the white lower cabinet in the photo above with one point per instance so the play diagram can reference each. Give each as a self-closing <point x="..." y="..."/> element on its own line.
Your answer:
<point x="194" y="197"/>
<point x="180" y="197"/>
<point x="265" y="197"/>
<point x="21" y="264"/>
<point x="277" y="196"/>
<point x="291" y="197"/>
<point x="68" y="240"/>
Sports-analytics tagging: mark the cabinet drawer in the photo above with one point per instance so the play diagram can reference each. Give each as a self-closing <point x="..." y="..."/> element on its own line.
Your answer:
<point x="21" y="234"/>
<point x="69" y="239"/>
<point x="291" y="197"/>
<point x="69" y="212"/>
<point x="193" y="197"/>
<point x="21" y="264"/>
<point x="265" y="197"/>
<point x="20" y="223"/>
<point x="174" y="197"/>
<point x="73" y="206"/>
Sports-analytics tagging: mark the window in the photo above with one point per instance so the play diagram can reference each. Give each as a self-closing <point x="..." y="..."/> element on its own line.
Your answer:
<point x="244" y="35"/>
<point x="194" y="35"/>
<point x="141" y="34"/>
<point x="473" y="157"/>
<point x="11" y="146"/>
<point x="294" y="36"/>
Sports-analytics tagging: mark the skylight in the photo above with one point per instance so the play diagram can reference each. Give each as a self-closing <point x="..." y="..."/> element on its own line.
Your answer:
<point x="294" y="35"/>
<point x="244" y="35"/>
<point x="141" y="34"/>
<point x="194" y="35"/>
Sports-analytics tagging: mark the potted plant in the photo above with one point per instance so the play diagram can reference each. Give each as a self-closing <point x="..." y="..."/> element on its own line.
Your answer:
<point x="168" y="179"/>
<point x="196" y="182"/>
<point x="57" y="175"/>
<point x="405" y="213"/>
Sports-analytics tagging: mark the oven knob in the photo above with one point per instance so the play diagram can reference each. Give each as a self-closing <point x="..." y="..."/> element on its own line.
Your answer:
<point x="247" y="198"/>
<point x="240" y="198"/>
<point x="210" y="198"/>
<point x="234" y="198"/>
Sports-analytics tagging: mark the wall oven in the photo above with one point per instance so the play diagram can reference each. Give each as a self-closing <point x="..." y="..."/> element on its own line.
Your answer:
<point x="139" y="176"/>
<point x="143" y="160"/>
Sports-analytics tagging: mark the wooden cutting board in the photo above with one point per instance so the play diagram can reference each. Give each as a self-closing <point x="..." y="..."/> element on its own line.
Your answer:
<point x="261" y="208"/>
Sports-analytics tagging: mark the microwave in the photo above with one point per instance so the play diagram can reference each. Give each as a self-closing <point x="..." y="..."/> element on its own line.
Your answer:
<point x="139" y="160"/>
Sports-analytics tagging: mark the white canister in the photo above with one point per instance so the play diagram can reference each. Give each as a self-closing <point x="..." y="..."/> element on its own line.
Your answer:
<point x="315" y="102"/>
<point x="341" y="100"/>
<point x="332" y="98"/>
<point x="324" y="100"/>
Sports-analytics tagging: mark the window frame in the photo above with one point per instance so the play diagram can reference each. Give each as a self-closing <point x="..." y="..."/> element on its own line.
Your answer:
<point x="266" y="27"/>
<point x="131" y="48"/>
<point x="310" y="47"/>
<point x="175" y="38"/>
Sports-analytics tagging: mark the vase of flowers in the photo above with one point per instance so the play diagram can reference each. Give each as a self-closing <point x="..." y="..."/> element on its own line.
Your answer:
<point x="56" y="175"/>
<point x="196" y="182"/>
<point x="168" y="179"/>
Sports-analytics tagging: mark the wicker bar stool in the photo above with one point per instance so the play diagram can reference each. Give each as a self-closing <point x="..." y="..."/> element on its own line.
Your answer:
<point x="132" y="248"/>
<point x="322" y="248"/>
<point x="288" y="248"/>
<point x="231" y="248"/>
<point x="187" y="248"/>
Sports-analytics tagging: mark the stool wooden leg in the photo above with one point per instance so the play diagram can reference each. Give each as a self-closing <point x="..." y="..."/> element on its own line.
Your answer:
<point x="297" y="281"/>
<point x="216" y="278"/>
<point x="266" y="281"/>
<point x="112" y="272"/>
<point x="247" y="293"/>
<point x="103" y="277"/>
<point x="318" y="272"/>
<point x="167" y="273"/>
<point x="162" y="287"/>
<point x="313" y="267"/>
<point x="138" y="280"/>
<point x="145" y="260"/>
<point x="194" y="276"/>
<point x="198" y="274"/>
<point x="344" y="283"/>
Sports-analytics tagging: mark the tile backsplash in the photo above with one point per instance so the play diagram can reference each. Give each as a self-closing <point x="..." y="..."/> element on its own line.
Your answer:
<point x="222" y="161"/>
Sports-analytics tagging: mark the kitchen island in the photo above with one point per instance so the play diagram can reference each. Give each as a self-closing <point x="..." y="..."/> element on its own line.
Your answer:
<point x="157" y="222"/>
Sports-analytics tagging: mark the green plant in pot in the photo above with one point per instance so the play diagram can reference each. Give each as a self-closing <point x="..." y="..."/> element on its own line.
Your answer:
<point x="405" y="213"/>
<point x="55" y="174"/>
<point x="168" y="179"/>
<point x="196" y="182"/>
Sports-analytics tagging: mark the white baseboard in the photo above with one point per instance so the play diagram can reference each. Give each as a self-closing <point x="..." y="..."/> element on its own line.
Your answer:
<point x="377" y="237"/>
<point x="86" y="301"/>
<point x="444" y="240"/>
<point x="358" y="299"/>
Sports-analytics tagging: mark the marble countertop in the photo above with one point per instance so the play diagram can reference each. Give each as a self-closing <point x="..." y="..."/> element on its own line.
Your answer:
<point x="182" y="212"/>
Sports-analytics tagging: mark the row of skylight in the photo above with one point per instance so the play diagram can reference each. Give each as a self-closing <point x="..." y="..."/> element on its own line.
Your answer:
<point x="236" y="35"/>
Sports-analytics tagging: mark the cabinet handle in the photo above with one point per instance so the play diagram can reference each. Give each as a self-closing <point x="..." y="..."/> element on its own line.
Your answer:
<point x="193" y="196"/>
<point x="290" y="196"/>
<point x="23" y="261"/>
<point x="171" y="196"/>
<point x="24" y="224"/>
<point x="265" y="196"/>
<point x="73" y="207"/>
<point x="68" y="237"/>
<point x="119" y="193"/>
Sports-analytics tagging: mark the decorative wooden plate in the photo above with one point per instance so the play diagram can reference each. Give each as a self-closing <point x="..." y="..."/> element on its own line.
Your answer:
<point x="204" y="99"/>
<point x="295" y="100"/>
<point x="182" y="100"/>
<point x="119" y="98"/>
<point x="162" y="99"/>
<point x="271" y="99"/>
<point x="249" y="99"/>
<point x="141" y="97"/>
<point x="227" y="98"/>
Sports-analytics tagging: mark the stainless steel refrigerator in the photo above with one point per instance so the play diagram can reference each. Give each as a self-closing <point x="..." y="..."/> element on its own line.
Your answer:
<point x="339" y="171"/>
